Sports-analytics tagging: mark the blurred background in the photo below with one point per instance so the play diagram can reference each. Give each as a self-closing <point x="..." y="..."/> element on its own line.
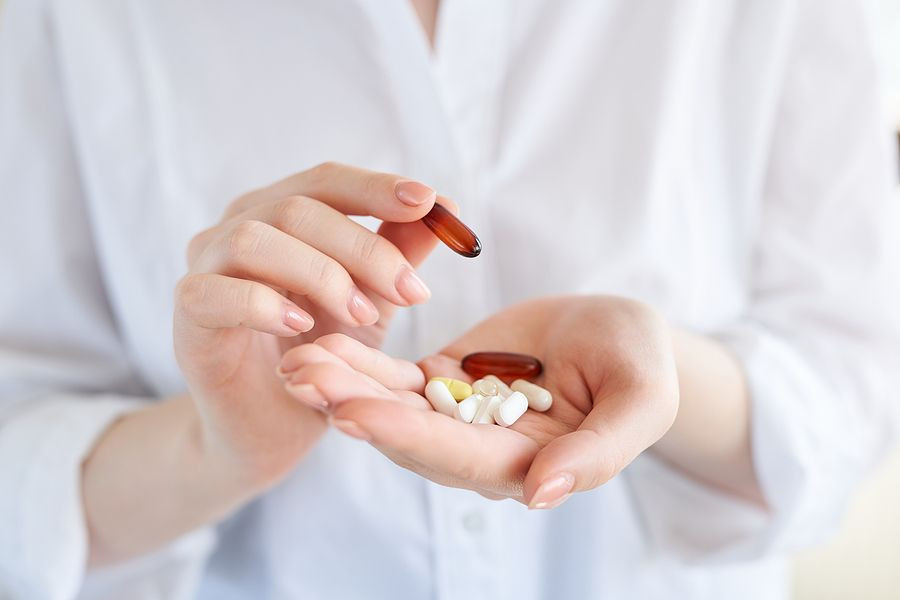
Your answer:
<point x="863" y="559"/>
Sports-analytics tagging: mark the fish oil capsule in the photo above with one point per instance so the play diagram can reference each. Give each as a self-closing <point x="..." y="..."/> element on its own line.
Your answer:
<point x="539" y="399"/>
<point x="468" y="408"/>
<point x="485" y="387"/>
<point x="452" y="231"/>
<point x="502" y="389"/>
<point x="440" y="397"/>
<point x="509" y="411"/>
<point x="485" y="412"/>
<point x="460" y="389"/>
<point x="505" y="365"/>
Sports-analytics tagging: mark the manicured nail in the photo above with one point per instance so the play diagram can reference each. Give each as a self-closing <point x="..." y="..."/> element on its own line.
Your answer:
<point x="351" y="428"/>
<point x="413" y="193"/>
<point x="308" y="394"/>
<point x="361" y="307"/>
<point x="553" y="491"/>
<point x="410" y="286"/>
<point x="295" y="319"/>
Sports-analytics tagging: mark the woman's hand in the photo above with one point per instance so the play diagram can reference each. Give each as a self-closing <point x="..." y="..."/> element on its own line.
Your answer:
<point x="284" y="264"/>
<point x="607" y="361"/>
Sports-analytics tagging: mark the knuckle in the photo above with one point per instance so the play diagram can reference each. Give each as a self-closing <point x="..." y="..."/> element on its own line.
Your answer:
<point x="255" y="302"/>
<point x="369" y="248"/>
<point x="325" y="272"/>
<point x="190" y="292"/>
<point x="244" y="239"/>
<point x="322" y="171"/>
<point x="293" y="212"/>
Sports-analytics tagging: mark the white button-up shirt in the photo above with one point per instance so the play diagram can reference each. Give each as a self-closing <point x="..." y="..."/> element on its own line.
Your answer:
<point x="724" y="161"/>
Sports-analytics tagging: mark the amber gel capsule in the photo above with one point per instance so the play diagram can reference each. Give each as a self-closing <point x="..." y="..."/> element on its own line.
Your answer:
<point x="452" y="231"/>
<point x="505" y="365"/>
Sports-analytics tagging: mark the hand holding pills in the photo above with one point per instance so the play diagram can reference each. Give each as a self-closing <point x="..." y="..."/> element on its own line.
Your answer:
<point x="286" y="264"/>
<point x="610" y="383"/>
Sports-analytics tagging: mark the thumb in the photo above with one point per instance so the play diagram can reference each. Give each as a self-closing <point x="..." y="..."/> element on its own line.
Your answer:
<point x="621" y="425"/>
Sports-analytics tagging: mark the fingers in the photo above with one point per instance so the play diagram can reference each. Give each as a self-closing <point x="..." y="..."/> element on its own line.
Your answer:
<point x="351" y="191"/>
<point x="392" y="373"/>
<point x="371" y="259"/>
<point x="213" y="301"/>
<point x="483" y="458"/>
<point x="620" y="426"/>
<point x="323" y="380"/>
<point x="258" y="251"/>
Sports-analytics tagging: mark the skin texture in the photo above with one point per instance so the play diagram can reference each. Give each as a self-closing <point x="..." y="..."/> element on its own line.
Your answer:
<point x="612" y="368"/>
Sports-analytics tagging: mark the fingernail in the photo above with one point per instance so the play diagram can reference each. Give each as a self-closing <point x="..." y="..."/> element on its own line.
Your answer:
<point x="413" y="193"/>
<point x="410" y="286"/>
<point x="553" y="491"/>
<point x="295" y="319"/>
<point x="361" y="307"/>
<point x="351" y="428"/>
<point x="308" y="394"/>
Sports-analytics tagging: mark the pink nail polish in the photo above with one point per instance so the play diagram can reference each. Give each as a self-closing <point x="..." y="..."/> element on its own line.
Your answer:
<point x="410" y="286"/>
<point x="361" y="308"/>
<point x="351" y="428"/>
<point x="413" y="193"/>
<point x="553" y="491"/>
<point x="296" y="319"/>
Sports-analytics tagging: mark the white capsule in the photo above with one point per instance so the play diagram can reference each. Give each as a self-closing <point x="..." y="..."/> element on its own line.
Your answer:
<point x="509" y="411"/>
<point x="440" y="397"/>
<point x="468" y="408"/>
<point x="485" y="387"/>
<point x="486" y="410"/>
<point x="539" y="399"/>
<point x="502" y="389"/>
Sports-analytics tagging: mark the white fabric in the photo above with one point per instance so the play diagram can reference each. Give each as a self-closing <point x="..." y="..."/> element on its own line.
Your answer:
<point x="724" y="161"/>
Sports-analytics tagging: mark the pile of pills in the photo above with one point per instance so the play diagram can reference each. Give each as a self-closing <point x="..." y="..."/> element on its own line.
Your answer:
<point x="489" y="399"/>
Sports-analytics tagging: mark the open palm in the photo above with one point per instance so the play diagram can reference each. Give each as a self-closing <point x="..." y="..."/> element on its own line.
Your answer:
<point x="607" y="361"/>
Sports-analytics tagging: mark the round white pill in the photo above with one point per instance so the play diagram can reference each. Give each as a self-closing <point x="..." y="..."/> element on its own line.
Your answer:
<point x="439" y="396"/>
<point x="509" y="411"/>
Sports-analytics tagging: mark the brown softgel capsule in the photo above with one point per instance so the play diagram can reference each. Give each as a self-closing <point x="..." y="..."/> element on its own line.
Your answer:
<point x="505" y="365"/>
<point x="452" y="231"/>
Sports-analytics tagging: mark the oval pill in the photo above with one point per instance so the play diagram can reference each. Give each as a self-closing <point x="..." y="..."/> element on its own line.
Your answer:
<point x="509" y="411"/>
<point x="539" y="399"/>
<point x="505" y="365"/>
<point x="438" y="394"/>
<point x="460" y="389"/>
<point x="466" y="410"/>
<point x="452" y="231"/>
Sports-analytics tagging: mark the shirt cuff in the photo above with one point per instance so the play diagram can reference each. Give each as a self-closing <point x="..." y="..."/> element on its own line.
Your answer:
<point x="44" y="549"/>
<point x="806" y="465"/>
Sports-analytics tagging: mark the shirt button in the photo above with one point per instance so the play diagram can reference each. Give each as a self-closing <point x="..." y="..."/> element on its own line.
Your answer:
<point x="473" y="522"/>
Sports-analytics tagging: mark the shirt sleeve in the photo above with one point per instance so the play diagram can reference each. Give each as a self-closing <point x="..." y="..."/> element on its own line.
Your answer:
<point x="819" y="339"/>
<point x="64" y="374"/>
